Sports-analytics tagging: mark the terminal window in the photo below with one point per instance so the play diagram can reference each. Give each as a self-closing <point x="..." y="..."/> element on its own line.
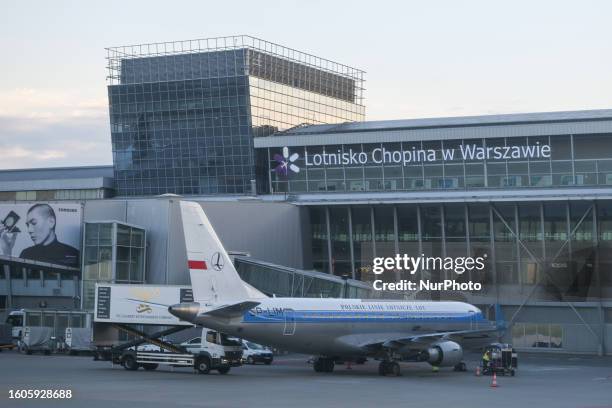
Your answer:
<point x="537" y="335"/>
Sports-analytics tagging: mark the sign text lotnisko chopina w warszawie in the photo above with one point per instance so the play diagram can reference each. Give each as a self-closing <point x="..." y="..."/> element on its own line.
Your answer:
<point x="381" y="155"/>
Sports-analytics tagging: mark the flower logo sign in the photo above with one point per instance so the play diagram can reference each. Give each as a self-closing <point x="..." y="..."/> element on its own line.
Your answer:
<point x="286" y="162"/>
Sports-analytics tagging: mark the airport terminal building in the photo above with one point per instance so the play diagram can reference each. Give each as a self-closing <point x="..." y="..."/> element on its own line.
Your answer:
<point x="309" y="204"/>
<point x="531" y="192"/>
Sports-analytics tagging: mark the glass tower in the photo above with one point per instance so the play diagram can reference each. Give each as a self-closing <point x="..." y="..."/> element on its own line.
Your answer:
<point x="183" y="114"/>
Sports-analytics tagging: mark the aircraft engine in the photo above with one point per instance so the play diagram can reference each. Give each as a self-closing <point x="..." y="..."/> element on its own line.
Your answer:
<point x="444" y="354"/>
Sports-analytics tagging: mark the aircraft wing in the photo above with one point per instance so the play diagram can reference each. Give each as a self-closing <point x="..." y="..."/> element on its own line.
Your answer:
<point x="460" y="336"/>
<point x="469" y="338"/>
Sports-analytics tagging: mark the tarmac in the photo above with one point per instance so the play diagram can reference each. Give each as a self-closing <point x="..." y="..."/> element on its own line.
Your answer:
<point x="541" y="381"/>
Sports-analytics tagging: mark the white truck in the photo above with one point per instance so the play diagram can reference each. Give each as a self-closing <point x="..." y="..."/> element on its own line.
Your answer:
<point x="217" y="347"/>
<point x="128" y="308"/>
<point x="44" y="329"/>
<point x="16" y="320"/>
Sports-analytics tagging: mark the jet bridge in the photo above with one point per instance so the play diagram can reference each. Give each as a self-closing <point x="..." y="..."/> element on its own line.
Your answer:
<point x="282" y="281"/>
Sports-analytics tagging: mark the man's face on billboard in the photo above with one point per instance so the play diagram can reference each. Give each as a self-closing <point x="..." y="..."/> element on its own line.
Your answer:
<point x="40" y="225"/>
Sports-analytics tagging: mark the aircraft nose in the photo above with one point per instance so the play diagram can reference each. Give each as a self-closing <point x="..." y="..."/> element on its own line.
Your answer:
<point x="185" y="311"/>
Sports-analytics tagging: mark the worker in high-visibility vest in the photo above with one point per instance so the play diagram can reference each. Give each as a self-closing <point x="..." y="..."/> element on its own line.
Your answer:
<point x="486" y="359"/>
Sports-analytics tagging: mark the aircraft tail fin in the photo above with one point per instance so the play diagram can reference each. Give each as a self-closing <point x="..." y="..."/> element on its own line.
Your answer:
<point x="213" y="276"/>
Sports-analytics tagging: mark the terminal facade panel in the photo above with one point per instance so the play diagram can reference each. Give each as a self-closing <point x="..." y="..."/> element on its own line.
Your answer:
<point x="442" y="165"/>
<point x="553" y="251"/>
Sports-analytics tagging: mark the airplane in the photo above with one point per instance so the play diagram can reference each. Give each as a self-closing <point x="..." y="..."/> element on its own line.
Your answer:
<point x="331" y="329"/>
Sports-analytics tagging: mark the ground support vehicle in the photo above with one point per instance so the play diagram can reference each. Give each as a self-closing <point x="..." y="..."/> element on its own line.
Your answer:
<point x="503" y="359"/>
<point x="133" y="311"/>
<point x="78" y="340"/>
<point x="132" y="355"/>
<point x="6" y="338"/>
<point x="37" y="340"/>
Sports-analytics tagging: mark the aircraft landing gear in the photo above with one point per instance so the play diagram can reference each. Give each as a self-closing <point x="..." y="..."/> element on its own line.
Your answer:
<point x="323" y="365"/>
<point x="389" y="368"/>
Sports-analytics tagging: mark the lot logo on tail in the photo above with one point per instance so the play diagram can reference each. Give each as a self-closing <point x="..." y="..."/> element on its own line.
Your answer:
<point x="217" y="261"/>
<point x="286" y="162"/>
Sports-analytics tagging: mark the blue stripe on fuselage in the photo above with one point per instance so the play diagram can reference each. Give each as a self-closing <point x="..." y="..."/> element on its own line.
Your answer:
<point x="335" y="316"/>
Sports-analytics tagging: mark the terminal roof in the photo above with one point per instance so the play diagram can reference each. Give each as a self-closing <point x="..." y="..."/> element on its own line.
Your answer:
<point x="484" y="120"/>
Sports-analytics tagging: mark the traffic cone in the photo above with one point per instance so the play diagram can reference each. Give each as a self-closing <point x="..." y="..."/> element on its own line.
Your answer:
<point x="477" y="371"/>
<point x="494" y="382"/>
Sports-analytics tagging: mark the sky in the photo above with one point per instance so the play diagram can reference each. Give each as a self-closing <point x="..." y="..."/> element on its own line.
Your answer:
<point x="422" y="59"/>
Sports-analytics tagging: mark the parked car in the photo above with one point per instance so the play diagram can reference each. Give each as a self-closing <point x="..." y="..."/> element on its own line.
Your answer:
<point x="256" y="353"/>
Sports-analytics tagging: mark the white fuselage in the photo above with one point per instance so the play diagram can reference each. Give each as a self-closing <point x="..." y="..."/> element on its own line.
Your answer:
<point x="341" y="327"/>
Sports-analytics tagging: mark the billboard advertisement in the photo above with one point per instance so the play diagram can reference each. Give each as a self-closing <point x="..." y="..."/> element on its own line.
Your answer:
<point x="139" y="304"/>
<point x="44" y="232"/>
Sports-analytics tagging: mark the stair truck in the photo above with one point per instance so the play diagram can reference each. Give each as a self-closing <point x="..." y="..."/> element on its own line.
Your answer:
<point x="124" y="319"/>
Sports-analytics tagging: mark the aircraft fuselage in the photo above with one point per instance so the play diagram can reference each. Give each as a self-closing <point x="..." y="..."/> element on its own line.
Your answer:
<point x="341" y="327"/>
